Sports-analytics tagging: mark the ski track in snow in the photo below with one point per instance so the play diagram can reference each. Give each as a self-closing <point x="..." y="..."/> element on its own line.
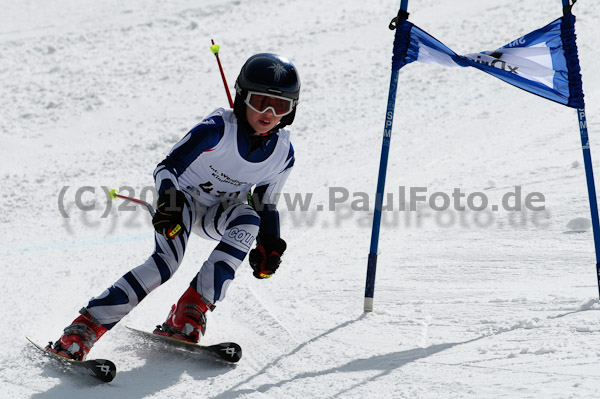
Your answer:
<point x="96" y="93"/>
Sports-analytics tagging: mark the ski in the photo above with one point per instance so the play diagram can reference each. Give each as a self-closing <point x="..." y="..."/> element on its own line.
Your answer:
<point x="103" y="369"/>
<point x="229" y="352"/>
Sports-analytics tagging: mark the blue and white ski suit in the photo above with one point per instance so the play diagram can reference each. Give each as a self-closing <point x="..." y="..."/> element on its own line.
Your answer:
<point x="215" y="166"/>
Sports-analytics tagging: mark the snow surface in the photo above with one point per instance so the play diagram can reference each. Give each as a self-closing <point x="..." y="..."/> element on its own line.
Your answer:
<point x="96" y="93"/>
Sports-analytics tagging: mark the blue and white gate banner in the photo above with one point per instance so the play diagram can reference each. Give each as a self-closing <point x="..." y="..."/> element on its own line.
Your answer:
<point x="543" y="62"/>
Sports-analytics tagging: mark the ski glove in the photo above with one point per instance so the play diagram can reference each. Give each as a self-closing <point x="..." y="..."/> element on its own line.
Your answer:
<point x="168" y="219"/>
<point x="266" y="257"/>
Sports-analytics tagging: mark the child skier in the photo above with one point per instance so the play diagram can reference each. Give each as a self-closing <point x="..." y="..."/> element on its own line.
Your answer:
<point x="202" y="186"/>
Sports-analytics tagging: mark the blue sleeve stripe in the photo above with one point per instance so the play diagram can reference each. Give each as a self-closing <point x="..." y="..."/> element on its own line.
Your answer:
<point x="165" y="185"/>
<point x="269" y="216"/>
<point x="269" y="222"/>
<point x="202" y="137"/>
<point x="159" y="169"/>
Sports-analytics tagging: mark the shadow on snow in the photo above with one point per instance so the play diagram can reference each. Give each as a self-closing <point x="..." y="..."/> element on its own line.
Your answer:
<point x="385" y="363"/>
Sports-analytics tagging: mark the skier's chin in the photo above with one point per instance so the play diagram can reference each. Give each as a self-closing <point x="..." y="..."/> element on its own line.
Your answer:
<point x="262" y="127"/>
<point x="264" y="130"/>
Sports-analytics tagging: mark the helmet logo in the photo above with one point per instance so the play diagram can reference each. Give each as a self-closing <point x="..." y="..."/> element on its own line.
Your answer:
<point x="279" y="71"/>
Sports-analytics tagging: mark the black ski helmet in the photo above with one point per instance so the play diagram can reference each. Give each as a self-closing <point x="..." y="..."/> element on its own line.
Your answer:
<point x="271" y="74"/>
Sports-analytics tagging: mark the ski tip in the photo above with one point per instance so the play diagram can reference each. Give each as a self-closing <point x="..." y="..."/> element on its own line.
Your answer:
<point x="230" y="351"/>
<point x="105" y="370"/>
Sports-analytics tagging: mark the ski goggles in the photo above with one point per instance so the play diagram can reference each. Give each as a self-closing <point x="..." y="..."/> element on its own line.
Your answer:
<point x="261" y="102"/>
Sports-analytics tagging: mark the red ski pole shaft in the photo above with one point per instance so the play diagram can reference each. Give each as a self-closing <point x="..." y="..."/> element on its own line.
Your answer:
<point x="115" y="194"/>
<point x="215" y="50"/>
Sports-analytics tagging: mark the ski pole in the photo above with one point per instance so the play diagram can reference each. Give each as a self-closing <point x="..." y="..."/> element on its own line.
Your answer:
<point x="215" y="50"/>
<point x="114" y="194"/>
<point x="173" y="232"/>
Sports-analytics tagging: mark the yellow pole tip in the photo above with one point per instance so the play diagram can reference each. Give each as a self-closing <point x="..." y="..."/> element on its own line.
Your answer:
<point x="215" y="48"/>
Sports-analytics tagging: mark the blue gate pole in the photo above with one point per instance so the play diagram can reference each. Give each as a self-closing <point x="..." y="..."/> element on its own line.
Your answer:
<point x="385" y="150"/>
<point x="589" y="175"/>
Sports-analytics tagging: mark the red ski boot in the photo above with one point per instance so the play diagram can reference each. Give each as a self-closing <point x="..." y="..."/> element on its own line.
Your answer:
<point x="79" y="337"/>
<point x="187" y="319"/>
